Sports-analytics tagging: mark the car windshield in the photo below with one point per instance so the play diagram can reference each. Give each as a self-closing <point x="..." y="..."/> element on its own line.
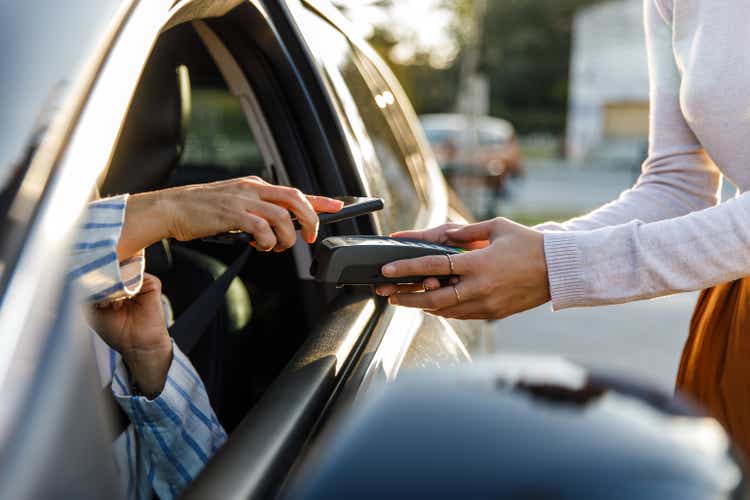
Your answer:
<point x="436" y="136"/>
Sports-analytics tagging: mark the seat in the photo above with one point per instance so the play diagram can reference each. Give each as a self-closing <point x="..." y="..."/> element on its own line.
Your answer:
<point x="147" y="153"/>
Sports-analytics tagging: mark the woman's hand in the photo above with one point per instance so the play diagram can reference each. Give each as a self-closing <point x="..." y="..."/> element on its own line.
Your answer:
<point x="249" y="204"/>
<point x="136" y="328"/>
<point x="504" y="273"/>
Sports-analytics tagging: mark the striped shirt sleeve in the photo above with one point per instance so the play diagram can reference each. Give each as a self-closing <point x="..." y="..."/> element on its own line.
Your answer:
<point x="96" y="269"/>
<point x="177" y="431"/>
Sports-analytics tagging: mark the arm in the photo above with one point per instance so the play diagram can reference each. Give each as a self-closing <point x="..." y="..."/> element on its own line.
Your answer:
<point x="590" y="262"/>
<point x="177" y="430"/>
<point x="678" y="177"/>
<point x="96" y="268"/>
<point x="158" y="388"/>
<point x="247" y="203"/>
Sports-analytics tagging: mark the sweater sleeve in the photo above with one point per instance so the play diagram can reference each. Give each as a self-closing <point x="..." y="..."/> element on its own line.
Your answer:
<point x="678" y="177"/>
<point x="644" y="244"/>
<point x="639" y="261"/>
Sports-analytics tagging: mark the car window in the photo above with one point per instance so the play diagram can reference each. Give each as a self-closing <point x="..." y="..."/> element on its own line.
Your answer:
<point x="368" y="104"/>
<point x="436" y="136"/>
<point x="487" y="138"/>
<point x="218" y="134"/>
<point x="219" y="143"/>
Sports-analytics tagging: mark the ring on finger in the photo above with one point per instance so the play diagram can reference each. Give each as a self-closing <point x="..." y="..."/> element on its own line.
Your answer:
<point x="457" y="293"/>
<point x="450" y="263"/>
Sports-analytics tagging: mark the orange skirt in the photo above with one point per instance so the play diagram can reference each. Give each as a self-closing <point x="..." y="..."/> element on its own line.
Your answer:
<point x="715" y="365"/>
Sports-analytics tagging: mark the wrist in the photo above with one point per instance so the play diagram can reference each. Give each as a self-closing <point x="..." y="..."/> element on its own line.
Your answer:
<point x="147" y="220"/>
<point x="148" y="367"/>
<point x="542" y="271"/>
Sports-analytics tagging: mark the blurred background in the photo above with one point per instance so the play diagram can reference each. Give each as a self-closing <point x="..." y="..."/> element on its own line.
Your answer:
<point x="537" y="110"/>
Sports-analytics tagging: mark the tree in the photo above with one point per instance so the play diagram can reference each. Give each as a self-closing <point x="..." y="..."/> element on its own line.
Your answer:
<point x="525" y="52"/>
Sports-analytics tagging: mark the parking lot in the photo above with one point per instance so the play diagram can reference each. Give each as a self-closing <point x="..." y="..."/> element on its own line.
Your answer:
<point x="641" y="340"/>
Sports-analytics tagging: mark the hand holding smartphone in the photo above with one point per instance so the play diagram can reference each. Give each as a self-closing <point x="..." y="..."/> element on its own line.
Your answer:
<point x="353" y="207"/>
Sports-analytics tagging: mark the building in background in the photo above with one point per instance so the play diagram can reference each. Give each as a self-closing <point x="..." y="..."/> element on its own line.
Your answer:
<point x="608" y="96"/>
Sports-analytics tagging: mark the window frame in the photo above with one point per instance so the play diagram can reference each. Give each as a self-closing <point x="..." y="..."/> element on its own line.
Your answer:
<point x="348" y="109"/>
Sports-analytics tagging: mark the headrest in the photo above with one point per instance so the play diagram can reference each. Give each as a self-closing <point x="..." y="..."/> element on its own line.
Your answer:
<point x="153" y="136"/>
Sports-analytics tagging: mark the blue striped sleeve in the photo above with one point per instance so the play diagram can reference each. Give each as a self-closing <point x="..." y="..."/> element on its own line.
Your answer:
<point x="95" y="268"/>
<point x="179" y="428"/>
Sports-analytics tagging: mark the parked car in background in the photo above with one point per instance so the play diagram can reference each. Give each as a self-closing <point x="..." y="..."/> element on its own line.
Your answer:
<point x="482" y="148"/>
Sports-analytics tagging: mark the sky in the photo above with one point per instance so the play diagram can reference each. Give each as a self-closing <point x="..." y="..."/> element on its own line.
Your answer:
<point x="419" y="25"/>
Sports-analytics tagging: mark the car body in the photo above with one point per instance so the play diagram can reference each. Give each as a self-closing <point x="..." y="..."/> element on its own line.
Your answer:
<point x="100" y="98"/>
<point x="133" y="95"/>
<point x="479" y="146"/>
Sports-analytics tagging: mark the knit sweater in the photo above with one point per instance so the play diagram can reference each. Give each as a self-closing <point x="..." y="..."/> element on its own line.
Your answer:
<point x="667" y="234"/>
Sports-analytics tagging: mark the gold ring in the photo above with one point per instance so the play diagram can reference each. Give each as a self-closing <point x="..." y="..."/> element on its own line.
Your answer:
<point x="458" y="295"/>
<point x="450" y="263"/>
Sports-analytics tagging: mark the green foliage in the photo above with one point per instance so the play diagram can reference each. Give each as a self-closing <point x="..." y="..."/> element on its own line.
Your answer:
<point x="525" y="52"/>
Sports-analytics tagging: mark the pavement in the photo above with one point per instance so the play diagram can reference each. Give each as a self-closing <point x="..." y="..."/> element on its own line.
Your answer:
<point x="640" y="340"/>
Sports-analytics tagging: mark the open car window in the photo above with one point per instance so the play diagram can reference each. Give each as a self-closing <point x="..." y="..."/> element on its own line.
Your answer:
<point x="367" y="104"/>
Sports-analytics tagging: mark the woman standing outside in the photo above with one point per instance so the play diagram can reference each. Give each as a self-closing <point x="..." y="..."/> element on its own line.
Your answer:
<point x="665" y="235"/>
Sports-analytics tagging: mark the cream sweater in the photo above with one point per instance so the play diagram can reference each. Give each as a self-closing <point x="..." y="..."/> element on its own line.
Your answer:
<point x="667" y="234"/>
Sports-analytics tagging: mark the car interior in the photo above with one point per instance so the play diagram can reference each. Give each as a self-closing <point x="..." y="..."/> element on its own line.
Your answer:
<point x="185" y="126"/>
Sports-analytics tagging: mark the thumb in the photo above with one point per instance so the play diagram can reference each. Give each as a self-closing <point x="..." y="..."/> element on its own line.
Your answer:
<point x="473" y="232"/>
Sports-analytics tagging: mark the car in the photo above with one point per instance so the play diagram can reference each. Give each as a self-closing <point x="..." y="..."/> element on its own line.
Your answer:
<point x="125" y="96"/>
<point x="525" y="427"/>
<point x="475" y="152"/>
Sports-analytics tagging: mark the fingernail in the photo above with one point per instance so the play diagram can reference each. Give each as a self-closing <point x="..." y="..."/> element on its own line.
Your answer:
<point x="380" y="292"/>
<point x="389" y="269"/>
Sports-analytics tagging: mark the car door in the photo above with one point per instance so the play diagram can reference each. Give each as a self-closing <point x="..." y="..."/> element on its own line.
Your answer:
<point x="55" y="439"/>
<point x="394" y="162"/>
<point x="314" y="141"/>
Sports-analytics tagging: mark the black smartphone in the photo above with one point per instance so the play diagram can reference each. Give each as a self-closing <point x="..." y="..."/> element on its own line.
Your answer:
<point x="354" y="206"/>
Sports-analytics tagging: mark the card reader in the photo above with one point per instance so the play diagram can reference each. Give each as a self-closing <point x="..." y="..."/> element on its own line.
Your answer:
<point x="357" y="260"/>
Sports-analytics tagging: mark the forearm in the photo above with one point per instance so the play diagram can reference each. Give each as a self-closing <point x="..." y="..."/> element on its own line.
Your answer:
<point x="638" y="261"/>
<point x="146" y="222"/>
<point x="658" y="195"/>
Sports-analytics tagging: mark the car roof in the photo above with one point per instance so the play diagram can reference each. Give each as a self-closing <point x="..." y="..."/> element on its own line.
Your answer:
<point x="458" y="122"/>
<point x="45" y="45"/>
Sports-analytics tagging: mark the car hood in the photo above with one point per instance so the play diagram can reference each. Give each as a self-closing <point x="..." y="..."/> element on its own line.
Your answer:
<point x="523" y="427"/>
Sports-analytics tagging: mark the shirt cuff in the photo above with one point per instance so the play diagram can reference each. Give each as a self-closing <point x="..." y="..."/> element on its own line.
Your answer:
<point x="183" y="395"/>
<point x="564" y="269"/>
<point x="96" y="269"/>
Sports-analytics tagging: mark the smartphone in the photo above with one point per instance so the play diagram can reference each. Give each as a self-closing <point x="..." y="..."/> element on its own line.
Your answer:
<point x="354" y="206"/>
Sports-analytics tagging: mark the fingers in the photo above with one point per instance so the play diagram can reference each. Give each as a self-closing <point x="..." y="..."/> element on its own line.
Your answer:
<point x="150" y="284"/>
<point x="386" y="290"/>
<point x="298" y="203"/>
<point x="430" y="301"/>
<point x="389" y="289"/>
<point x="433" y="235"/>
<point x="474" y="232"/>
<point x="278" y="219"/>
<point x="265" y="239"/>
<point x="322" y="204"/>
<point x="431" y="265"/>
<point x="473" y="309"/>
